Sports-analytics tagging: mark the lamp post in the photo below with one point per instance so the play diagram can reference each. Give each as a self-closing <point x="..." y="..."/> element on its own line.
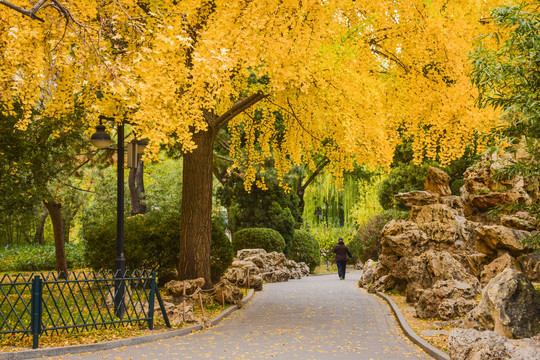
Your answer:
<point x="101" y="140"/>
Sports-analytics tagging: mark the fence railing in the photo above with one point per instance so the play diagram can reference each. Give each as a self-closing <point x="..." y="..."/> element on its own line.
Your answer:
<point x="44" y="303"/>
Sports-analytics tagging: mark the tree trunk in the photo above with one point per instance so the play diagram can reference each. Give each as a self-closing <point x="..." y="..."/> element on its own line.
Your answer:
<point x="196" y="217"/>
<point x="41" y="228"/>
<point x="55" y="211"/>
<point x="136" y="188"/>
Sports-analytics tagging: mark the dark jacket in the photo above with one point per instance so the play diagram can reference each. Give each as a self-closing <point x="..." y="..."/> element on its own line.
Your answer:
<point x="342" y="251"/>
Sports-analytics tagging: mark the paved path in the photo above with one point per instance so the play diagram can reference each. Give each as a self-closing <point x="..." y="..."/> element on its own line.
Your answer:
<point x="318" y="317"/>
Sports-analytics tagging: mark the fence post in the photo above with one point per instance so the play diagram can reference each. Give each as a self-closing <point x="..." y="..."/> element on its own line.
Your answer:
<point x="151" y="300"/>
<point x="36" y="303"/>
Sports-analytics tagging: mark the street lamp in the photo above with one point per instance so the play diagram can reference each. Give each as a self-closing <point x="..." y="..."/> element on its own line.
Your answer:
<point x="101" y="140"/>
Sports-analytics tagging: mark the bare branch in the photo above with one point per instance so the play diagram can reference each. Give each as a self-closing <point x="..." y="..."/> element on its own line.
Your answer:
<point x="30" y="13"/>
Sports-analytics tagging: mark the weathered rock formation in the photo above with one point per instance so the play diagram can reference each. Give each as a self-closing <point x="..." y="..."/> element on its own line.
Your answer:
<point x="252" y="267"/>
<point x="451" y="246"/>
<point x="510" y="305"/>
<point x="469" y="344"/>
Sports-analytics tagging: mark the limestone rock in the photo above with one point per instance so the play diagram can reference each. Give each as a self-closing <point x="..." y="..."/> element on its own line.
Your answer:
<point x="510" y="306"/>
<point x="416" y="198"/>
<point x="476" y="262"/>
<point x="492" y="199"/>
<point x="469" y="344"/>
<point x="523" y="349"/>
<point x="176" y="314"/>
<point x="521" y="221"/>
<point x="443" y="226"/>
<point x="497" y="266"/>
<point x="252" y="267"/>
<point x="227" y="292"/>
<point x="447" y="299"/>
<point x="176" y="287"/>
<point x="530" y="264"/>
<point x="452" y="308"/>
<point x="454" y="202"/>
<point x="437" y="181"/>
<point x="497" y="236"/>
<point x="367" y="273"/>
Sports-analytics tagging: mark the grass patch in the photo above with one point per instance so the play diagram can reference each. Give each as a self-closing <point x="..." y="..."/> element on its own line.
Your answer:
<point x="323" y="269"/>
<point x="32" y="257"/>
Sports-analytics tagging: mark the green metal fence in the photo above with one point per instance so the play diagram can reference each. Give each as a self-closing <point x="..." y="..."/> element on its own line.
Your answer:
<point x="44" y="303"/>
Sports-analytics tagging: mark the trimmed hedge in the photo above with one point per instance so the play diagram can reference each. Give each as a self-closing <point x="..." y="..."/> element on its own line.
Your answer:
<point x="258" y="238"/>
<point x="305" y="247"/>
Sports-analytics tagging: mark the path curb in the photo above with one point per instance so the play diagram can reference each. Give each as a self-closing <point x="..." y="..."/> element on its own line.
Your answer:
<point x="430" y="349"/>
<point x="31" y="354"/>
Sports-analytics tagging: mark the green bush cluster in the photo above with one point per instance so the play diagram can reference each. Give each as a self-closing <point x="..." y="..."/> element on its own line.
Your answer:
<point x="305" y="247"/>
<point x="34" y="257"/>
<point x="151" y="241"/>
<point x="366" y="244"/>
<point x="258" y="238"/>
<point x="221" y="252"/>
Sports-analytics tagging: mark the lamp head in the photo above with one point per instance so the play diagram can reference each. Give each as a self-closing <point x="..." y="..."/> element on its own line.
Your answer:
<point x="100" y="138"/>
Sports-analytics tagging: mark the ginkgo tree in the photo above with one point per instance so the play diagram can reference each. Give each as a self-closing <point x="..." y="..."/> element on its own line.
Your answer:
<point x="348" y="79"/>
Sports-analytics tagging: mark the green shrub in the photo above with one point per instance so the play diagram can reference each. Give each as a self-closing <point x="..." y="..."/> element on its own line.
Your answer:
<point x="305" y="247"/>
<point x="403" y="178"/>
<point x="34" y="257"/>
<point x="366" y="244"/>
<point x="151" y="241"/>
<point x="258" y="238"/>
<point x="221" y="253"/>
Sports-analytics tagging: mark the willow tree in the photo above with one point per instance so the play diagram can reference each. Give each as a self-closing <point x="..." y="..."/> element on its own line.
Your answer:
<point x="347" y="78"/>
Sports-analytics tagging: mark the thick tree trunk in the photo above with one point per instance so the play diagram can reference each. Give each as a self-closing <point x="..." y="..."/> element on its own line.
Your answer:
<point x="55" y="211"/>
<point x="196" y="217"/>
<point x="136" y="188"/>
<point x="41" y="228"/>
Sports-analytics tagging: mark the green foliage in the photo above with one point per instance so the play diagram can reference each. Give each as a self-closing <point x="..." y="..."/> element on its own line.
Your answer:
<point x="221" y="252"/>
<point x="39" y="257"/>
<point x="258" y="238"/>
<point x="508" y="77"/>
<point x="403" y="178"/>
<point x="339" y="203"/>
<point x="151" y="241"/>
<point x="366" y="243"/>
<point x="272" y="208"/>
<point x="328" y="238"/>
<point x="305" y="247"/>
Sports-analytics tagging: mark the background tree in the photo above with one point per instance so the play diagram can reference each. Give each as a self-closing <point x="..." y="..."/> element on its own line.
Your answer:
<point x="344" y="75"/>
<point x="42" y="165"/>
<point x="506" y="70"/>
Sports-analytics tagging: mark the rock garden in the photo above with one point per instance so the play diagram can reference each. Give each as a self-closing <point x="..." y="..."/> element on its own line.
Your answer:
<point x="460" y="262"/>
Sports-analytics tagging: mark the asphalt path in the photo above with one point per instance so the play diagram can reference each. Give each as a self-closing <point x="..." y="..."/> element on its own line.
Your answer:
<point x="317" y="317"/>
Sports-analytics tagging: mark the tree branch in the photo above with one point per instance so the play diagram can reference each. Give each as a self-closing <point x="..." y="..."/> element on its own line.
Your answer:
<point x="30" y="13"/>
<point x="322" y="164"/>
<point x="238" y="107"/>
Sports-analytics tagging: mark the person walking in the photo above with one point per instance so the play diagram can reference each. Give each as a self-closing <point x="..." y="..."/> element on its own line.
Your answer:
<point x="341" y="250"/>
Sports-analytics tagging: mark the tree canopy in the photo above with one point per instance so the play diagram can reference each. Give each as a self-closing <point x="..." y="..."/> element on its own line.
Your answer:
<point x="347" y="78"/>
